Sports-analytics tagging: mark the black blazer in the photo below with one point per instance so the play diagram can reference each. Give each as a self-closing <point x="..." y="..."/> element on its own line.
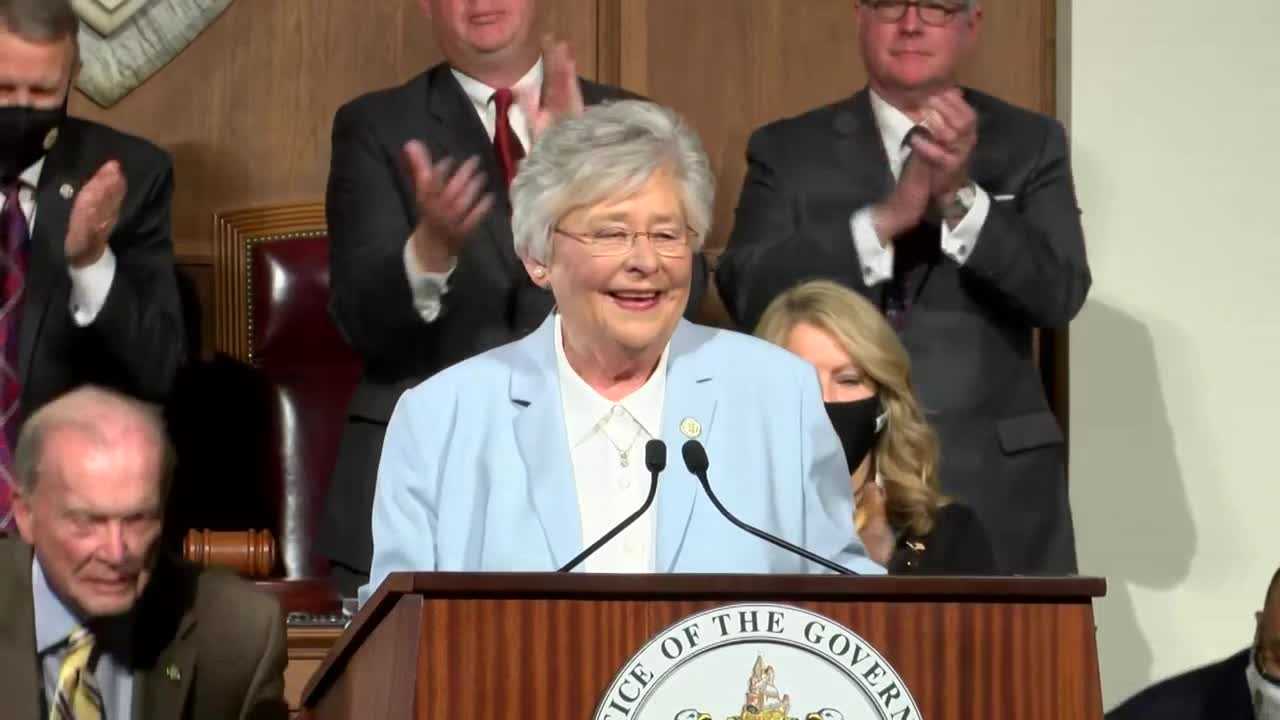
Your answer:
<point x="136" y="343"/>
<point x="958" y="545"/>
<point x="969" y="331"/>
<point x="371" y="213"/>
<point x="1214" y="692"/>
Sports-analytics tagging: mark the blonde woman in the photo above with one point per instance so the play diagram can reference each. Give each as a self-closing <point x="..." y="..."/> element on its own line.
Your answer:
<point x="901" y="517"/>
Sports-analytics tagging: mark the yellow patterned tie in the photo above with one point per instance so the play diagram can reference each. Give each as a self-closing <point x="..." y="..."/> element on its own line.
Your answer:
<point x="78" y="696"/>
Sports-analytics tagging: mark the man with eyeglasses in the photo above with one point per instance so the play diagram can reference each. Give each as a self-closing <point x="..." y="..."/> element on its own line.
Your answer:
<point x="1245" y="686"/>
<point x="955" y="212"/>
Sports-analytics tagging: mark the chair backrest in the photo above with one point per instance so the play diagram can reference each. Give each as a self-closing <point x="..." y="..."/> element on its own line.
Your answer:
<point x="271" y="274"/>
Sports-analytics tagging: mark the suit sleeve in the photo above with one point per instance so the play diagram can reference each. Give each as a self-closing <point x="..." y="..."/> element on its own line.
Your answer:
<point x="265" y="697"/>
<point x="405" y="498"/>
<point x="371" y="300"/>
<point x="1033" y="255"/>
<point x="759" y="261"/>
<point x="827" y="490"/>
<point x="139" y="328"/>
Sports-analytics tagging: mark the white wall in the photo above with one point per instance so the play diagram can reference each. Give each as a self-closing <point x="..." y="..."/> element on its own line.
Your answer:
<point x="1174" y="111"/>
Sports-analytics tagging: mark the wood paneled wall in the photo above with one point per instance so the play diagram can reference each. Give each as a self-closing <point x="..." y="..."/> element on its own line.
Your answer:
<point x="246" y="110"/>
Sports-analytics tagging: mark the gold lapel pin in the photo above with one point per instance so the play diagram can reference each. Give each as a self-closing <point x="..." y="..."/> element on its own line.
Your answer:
<point x="66" y="191"/>
<point x="172" y="672"/>
<point x="691" y="428"/>
<point x="51" y="139"/>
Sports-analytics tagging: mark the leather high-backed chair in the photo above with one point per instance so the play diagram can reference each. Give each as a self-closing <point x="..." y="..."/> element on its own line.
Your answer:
<point x="284" y="378"/>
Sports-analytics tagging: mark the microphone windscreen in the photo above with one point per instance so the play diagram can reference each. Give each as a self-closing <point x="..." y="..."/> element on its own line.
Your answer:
<point x="655" y="456"/>
<point x="695" y="457"/>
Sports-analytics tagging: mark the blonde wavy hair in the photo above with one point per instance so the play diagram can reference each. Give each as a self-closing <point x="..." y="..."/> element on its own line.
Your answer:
<point x="906" y="455"/>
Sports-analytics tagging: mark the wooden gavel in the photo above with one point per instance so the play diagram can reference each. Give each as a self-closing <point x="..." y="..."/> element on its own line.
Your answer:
<point x="251" y="553"/>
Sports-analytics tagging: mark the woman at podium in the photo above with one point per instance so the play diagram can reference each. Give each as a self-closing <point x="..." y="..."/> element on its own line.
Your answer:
<point x="902" y="518"/>
<point x="517" y="459"/>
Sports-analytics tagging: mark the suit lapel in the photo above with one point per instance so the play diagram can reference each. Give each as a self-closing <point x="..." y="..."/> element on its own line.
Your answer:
<point x="20" y="679"/>
<point x="860" y="148"/>
<point x="458" y="129"/>
<point x="690" y="396"/>
<point x="164" y="645"/>
<point x="46" y="268"/>
<point x="990" y="161"/>
<point x="544" y="447"/>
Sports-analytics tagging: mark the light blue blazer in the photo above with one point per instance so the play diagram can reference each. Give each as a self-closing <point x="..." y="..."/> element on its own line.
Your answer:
<point x="476" y="473"/>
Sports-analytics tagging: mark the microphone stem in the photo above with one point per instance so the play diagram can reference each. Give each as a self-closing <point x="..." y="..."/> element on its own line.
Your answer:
<point x="653" y="492"/>
<point x="811" y="557"/>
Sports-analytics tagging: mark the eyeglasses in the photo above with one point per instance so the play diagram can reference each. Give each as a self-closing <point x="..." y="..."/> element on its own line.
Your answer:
<point x="932" y="12"/>
<point x="613" y="242"/>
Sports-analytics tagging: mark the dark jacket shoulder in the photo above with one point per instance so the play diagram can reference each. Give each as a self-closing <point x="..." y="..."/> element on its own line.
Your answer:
<point x="86" y="137"/>
<point x="998" y="118"/>
<point x="1213" y="692"/>
<point x="388" y="104"/>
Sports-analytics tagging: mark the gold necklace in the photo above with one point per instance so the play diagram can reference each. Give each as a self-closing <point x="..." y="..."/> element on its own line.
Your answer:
<point x="623" y="454"/>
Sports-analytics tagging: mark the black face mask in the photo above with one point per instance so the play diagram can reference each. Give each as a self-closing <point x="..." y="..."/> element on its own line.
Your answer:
<point x="26" y="134"/>
<point x="856" y="425"/>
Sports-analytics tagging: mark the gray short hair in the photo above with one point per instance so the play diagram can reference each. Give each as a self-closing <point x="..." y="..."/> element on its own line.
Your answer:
<point x="92" y="412"/>
<point x="610" y="150"/>
<point x="40" y="20"/>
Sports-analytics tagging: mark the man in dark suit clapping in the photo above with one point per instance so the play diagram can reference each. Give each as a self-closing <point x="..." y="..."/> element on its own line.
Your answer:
<point x="88" y="291"/>
<point x="955" y="212"/>
<point x="424" y="273"/>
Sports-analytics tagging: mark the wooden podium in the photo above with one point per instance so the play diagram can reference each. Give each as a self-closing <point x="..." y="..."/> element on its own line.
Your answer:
<point x="548" y="647"/>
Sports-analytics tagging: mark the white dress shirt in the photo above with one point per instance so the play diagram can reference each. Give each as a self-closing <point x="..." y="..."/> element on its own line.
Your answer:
<point x="600" y="431"/>
<point x="957" y="243"/>
<point x="90" y="284"/>
<point x="429" y="287"/>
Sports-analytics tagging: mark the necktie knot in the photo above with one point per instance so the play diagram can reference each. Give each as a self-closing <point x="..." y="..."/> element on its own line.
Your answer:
<point x="503" y="98"/>
<point x="80" y="640"/>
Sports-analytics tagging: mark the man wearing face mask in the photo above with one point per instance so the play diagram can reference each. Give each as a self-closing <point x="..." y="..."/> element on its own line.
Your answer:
<point x="1245" y="686"/>
<point x="87" y="286"/>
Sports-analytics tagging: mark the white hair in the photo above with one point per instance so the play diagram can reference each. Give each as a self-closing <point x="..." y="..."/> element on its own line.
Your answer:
<point x="611" y="150"/>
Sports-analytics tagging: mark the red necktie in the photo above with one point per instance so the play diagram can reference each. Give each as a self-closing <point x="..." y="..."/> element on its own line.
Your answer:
<point x="505" y="142"/>
<point x="13" y="270"/>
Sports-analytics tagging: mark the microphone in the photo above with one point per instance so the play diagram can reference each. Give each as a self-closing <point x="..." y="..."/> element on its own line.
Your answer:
<point x="695" y="459"/>
<point x="655" y="459"/>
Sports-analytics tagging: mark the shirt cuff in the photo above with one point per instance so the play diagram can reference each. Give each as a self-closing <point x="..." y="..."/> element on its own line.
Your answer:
<point x="874" y="259"/>
<point x="89" y="288"/>
<point x="428" y="288"/>
<point x="958" y="243"/>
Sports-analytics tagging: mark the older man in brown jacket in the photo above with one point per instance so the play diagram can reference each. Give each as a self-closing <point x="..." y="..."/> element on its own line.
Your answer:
<point x="95" y="621"/>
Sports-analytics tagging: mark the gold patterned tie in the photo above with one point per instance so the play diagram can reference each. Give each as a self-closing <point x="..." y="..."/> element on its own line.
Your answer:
<point x="78" y="696"/>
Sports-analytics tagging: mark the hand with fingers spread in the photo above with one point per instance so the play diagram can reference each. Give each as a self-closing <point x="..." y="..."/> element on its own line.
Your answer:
<point x="451" y="202"/>
<point x="95" y="214"/>
<point x="561" y="91"/>
<point x="949" y="144"/>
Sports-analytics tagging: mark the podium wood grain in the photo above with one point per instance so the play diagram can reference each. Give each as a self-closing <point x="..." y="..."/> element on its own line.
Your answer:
<point x="542" y="647"/>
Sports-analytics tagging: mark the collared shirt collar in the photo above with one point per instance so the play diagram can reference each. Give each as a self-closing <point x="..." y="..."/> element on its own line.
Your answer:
<point x="54" y="620"/>
<point x="585" y="408"/>
<point x="894" y="126"/>
<point x="481" y="95"/>
<point x="31" y="176"/>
